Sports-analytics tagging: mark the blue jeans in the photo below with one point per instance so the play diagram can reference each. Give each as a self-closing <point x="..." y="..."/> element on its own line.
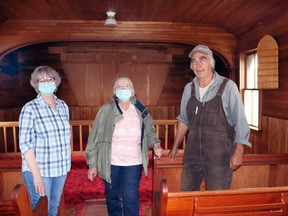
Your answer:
<point x="53" y="191"/>
<point x="125" y="182"/>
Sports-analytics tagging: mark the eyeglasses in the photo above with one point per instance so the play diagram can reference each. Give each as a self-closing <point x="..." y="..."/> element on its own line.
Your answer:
<point x="202" y="59"/>
<point x="123" y="87"/>
<point x="48" y="80"/>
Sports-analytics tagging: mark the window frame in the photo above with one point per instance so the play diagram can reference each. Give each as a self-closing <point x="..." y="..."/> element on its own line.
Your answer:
<point x="244" y="88"/>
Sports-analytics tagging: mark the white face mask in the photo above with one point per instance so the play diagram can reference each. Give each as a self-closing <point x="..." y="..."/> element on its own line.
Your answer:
<point x="47" y="88"/>
<point x="124" y="95"/>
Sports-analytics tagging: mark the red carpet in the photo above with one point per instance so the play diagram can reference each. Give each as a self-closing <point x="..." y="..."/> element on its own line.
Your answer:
<point x="78" y="188"/>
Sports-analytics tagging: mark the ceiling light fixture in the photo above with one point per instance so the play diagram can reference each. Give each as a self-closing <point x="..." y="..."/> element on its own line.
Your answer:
<point x="110" y="21"/>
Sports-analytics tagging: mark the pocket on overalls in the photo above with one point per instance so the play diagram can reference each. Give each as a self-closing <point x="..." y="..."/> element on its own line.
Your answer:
<point x="212" y="115"/>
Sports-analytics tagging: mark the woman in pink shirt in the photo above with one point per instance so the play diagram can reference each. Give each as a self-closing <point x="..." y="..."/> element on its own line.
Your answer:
<point x="117" y="148"/>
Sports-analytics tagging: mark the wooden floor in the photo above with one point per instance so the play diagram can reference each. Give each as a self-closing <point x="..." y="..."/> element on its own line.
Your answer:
<point x="98" y="207"/>
<point x="95" y="207"/>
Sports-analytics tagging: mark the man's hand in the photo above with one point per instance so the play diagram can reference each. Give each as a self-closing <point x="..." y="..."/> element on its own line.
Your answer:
<point x="237" y="157"/>
<point x="181" y="132"/>
<point x="173" y="153"/>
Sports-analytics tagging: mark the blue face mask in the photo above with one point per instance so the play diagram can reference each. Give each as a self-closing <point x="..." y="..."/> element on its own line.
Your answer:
<point x="123" y="95"/>
<point x="47" y="88"/>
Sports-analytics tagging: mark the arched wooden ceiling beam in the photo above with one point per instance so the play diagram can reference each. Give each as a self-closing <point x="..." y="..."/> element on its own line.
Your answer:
<point x="15" y="34"/>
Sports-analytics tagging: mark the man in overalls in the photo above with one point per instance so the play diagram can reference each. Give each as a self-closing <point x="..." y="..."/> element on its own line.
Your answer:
<point x="213" y="115"/>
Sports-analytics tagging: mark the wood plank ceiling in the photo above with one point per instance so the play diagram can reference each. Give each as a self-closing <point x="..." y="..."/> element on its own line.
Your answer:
<point x="233" y="16"/>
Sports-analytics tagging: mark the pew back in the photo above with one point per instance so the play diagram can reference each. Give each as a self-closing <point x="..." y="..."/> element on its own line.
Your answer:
<point x="257" y="171"/>
<point x="271" y="201"/>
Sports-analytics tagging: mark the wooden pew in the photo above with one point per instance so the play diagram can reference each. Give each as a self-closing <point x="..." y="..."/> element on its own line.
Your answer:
<point x="257" y="171"/>
<point x="10" y="175"/>
<point x="267" y="201"/>
<point x="22" y="206"/>
<point x="6" y="208"/>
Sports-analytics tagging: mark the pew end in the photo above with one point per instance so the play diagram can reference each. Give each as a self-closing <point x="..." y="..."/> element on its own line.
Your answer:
<point x="172" y="205"/>
<point x="266" y="201"/>
<point x="11" y="175"/>
<point x="22" y="206"/>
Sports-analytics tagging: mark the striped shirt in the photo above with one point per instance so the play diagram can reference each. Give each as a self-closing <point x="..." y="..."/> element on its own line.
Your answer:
<point x="47" y="131"/>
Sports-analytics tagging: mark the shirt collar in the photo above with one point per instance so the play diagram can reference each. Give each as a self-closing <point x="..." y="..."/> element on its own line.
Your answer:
<point x="217" y="80"/>
<point x="40" y="100"/>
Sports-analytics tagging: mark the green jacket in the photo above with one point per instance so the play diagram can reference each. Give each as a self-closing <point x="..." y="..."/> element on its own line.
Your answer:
<point x="98" y="149"/>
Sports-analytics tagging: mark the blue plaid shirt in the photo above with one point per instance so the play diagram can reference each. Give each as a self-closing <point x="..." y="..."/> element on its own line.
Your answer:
<point x="47" y="131"/>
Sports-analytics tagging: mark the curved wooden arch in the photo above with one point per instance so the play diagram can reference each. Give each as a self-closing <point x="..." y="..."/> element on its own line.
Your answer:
<point x="268" y="63"/>
<point x="17" y="34"/>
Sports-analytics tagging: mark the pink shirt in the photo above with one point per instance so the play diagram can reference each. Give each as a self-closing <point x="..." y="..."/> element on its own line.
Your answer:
<point x="126" y="140"/>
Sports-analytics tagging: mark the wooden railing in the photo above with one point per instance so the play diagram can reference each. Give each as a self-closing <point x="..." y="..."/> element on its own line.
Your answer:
<point x="166" y="130"/>
<point x="9" y="134"/>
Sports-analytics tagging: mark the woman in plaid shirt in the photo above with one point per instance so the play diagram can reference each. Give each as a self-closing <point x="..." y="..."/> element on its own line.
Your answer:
<point x="44" y="139"/>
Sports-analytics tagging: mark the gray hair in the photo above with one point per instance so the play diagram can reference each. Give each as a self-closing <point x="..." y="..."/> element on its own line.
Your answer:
<point x="44" y="70"/>
<point x="212" y="62"/>
<point x="133" y="98"/>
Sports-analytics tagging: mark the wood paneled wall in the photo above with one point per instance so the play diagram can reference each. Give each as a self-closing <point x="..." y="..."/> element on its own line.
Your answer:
<point x="271" y="138"/>
<point x="274" y="102"/>
<point x="274" y="116"/>
<point x="91" y="74"/>
<point x="89" y="112"/>
<point x="158" y="112"/>
<point x="159" y="74"/>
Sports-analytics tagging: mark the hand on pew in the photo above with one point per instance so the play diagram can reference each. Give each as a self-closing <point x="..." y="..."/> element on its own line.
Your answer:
<point x="158" y="150"/>
<point x="173" y="153"/>
<point x="22" y="206"/>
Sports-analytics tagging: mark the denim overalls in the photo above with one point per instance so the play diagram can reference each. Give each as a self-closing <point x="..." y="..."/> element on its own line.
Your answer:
<point x="209" y="144"/>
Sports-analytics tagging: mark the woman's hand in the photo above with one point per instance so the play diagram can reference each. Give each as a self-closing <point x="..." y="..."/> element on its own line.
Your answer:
<point x="39" y="185"/>
<point x="158" y="150"/>
<point x="92" y="173"/>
